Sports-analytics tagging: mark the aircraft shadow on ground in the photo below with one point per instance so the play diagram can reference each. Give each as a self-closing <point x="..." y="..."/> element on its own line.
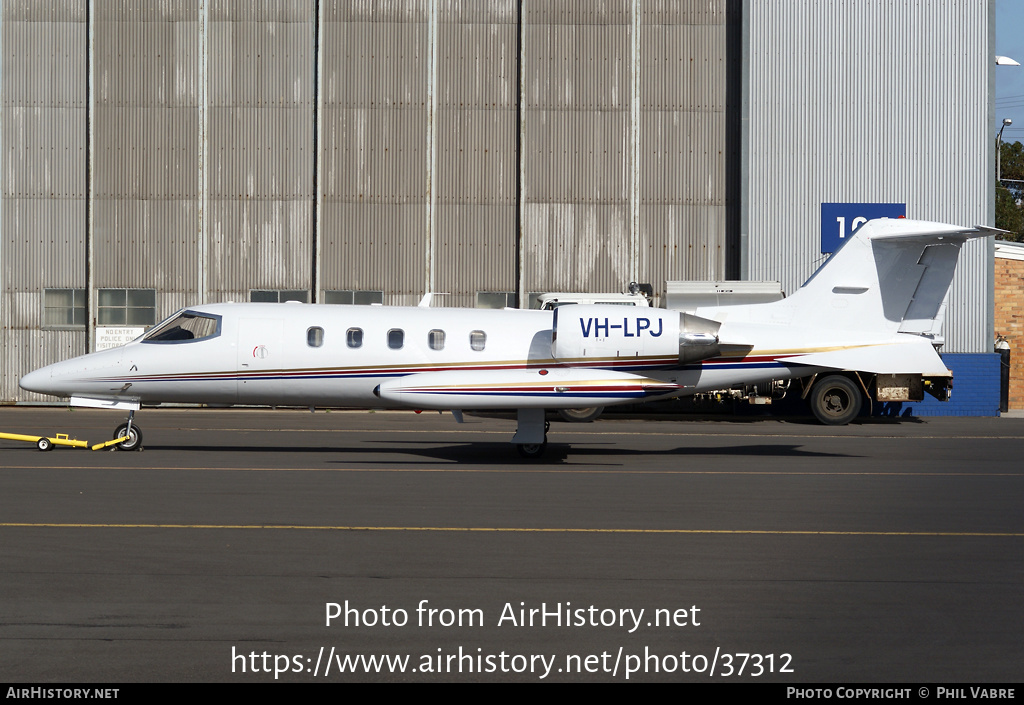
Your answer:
<point x="504" y="454"/>
<point x="860" y="421"/>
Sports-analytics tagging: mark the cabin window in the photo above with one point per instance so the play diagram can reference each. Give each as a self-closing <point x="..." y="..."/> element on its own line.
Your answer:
<point x="64" y="308"/>
<point x="275" y="296"/>
<point x="354" y="296"/>
<point x="185" y="327"/>
<point x="396" y="338"/>
<point x="354" y="337"/>
<point x="126" y="307"/>
<point x="477" y="340"/>
<point x="435" y="339"/>
<point x="315" y="337"/>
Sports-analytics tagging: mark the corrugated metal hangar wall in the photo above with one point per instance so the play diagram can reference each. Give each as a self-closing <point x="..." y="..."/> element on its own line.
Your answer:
<point x="157" y="155"/>
<point x="870" y="102"/>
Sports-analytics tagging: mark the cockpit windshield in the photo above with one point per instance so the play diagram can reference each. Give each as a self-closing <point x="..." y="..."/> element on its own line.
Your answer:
<point x="185" y="327"/>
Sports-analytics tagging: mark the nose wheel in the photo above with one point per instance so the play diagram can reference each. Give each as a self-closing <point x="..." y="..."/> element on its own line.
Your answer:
<point x="134" y="434"/>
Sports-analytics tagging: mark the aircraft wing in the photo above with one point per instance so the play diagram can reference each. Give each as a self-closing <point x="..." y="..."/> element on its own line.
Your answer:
<point x="546" y="388"/>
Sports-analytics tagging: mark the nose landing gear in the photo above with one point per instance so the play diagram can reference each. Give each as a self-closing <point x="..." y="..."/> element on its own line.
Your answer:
<point x="131" y="433"/>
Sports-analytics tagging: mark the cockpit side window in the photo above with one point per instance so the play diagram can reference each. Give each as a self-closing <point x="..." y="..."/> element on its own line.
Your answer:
<point x="185" y="327"/>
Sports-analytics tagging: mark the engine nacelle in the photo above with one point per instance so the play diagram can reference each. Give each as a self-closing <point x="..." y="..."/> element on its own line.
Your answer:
<point x="583" y="333"/>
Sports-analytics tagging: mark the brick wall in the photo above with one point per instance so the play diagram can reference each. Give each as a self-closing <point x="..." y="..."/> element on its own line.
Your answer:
<point x="1009" y="320"/>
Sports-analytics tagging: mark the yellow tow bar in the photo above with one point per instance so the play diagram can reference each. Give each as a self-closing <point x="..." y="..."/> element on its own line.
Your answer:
<point x="107" y="444"/>
<point x="60" y="439"/>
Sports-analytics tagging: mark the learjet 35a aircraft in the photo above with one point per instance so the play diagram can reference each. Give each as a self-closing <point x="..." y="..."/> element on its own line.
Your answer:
<point x="867" y="320"/>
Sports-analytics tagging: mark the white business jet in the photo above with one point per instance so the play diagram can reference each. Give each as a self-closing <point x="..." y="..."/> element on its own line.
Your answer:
<point x="867" y="321"/>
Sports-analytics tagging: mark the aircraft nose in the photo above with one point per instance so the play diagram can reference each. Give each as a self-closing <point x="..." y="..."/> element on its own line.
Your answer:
<point x="39" y="381"/>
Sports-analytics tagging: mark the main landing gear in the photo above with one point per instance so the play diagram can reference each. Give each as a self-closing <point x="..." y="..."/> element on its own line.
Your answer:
<point x="132" y="432"/>
<point x="531" y="439"/>
<point x="532" y="451"/>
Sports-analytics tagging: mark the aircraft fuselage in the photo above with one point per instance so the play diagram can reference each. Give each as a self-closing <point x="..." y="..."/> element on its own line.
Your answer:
<point x="334" y="355"/>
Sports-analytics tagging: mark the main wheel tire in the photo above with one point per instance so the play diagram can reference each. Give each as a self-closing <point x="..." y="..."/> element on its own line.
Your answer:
<point x="134" y="441"/>
<point x="836" y="400"/>
<point x="582" y="415"/>
<point x="44" y="444"/>
<point x="532" y="451"/>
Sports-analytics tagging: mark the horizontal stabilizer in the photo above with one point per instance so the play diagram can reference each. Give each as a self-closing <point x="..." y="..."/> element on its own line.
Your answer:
<point x="903" y="229"/>
<point x="545" y="388"/>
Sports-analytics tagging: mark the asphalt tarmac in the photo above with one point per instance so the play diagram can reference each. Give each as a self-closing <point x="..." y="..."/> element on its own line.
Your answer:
<point x="259" y="545"/>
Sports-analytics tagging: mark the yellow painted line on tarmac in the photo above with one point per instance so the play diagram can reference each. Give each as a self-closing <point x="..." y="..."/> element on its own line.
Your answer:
<point x="522" y="530"/>
<point x="571" y="470"/>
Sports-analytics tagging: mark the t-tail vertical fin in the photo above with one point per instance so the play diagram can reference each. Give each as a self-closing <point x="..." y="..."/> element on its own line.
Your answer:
<point x="891" y="276"/>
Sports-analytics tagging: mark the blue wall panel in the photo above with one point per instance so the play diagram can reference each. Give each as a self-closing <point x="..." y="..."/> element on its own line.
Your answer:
<point x="975" y="390"/>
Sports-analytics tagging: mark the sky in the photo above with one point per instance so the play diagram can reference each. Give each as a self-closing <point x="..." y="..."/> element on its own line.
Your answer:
<point x="1010" y="79"/>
